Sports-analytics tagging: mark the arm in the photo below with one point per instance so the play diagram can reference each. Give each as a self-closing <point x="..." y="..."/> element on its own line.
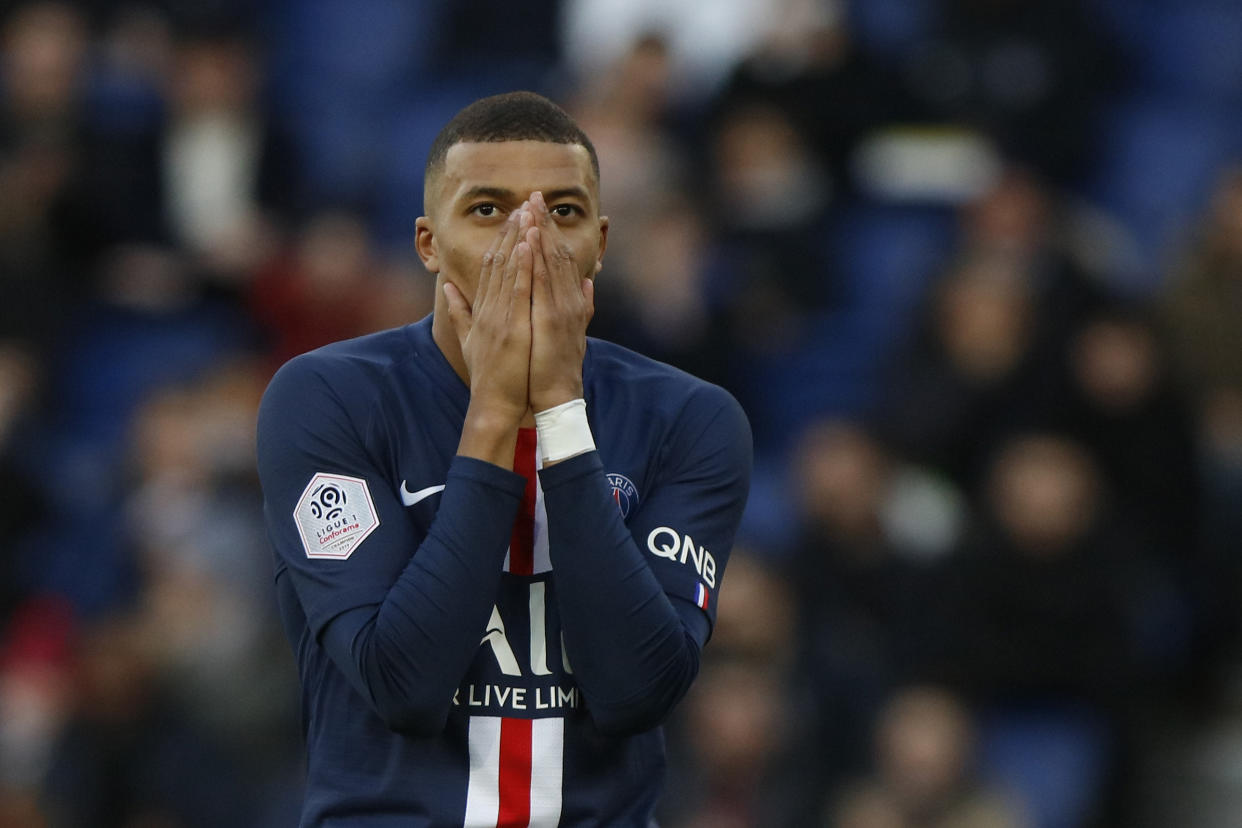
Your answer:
<point x="400" y="620"/>
<point x="401" y="625"/>
<point x="632" y="629"/>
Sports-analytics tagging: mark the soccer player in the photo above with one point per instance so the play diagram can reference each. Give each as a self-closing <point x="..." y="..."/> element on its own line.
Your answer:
<point x="498" y="542"/>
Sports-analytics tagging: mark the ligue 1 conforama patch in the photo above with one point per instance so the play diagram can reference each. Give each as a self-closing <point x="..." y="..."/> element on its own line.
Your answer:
<point x="334" y="514"/>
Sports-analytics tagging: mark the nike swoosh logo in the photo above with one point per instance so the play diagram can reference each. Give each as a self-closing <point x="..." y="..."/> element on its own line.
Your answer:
<point x="410" y="498"/>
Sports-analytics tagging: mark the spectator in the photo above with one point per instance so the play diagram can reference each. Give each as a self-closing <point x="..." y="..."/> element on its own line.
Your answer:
<point x="1042" y="612"/>
<point x="23" y="507"/>
<point x="808" y="55"/>
<point x="1054" y="603"/>
<point x="195" y="524"/>
<point x="227" y="171"/>
<point x="1203" y="304"/>
<point x="1123" y="403"/>
<point x="866" y="589"/>
<point x="320" y="290"/>
<point x="738" y="758"/>
<point x="36" y="697"/>
<point x="42" y="60"/>
<point x="972" y="373"/>
<point x="123" y="755"/>
<point x="1026" y="74"/>
<point x="926" y="773"/>
<point x="1202" y="312"/>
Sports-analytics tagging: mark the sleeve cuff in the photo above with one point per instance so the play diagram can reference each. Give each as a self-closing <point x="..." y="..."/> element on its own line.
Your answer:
<point x="570" y="470"/>
<point x="487" y="474"/>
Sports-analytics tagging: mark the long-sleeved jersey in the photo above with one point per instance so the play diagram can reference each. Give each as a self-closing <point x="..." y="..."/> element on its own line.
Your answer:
<point x="481" y="646"/>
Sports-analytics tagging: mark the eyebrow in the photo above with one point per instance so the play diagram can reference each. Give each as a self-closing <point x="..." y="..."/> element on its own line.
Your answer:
<point x="498" y="193"/>
<point x="566" y="192"/>
<point x="505" y="194"/>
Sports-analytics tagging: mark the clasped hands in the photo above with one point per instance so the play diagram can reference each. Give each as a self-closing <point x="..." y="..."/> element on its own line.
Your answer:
<point x="524" y="338"/>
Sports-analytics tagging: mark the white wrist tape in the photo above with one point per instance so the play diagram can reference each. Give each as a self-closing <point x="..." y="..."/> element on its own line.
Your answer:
<point x="563" y="431"/>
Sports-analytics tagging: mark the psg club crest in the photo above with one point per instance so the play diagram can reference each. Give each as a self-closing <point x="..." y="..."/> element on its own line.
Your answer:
<point x="624" y="492"/>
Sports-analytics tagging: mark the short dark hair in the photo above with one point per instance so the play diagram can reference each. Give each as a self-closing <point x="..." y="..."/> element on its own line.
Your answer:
<point x="513" y="116"/>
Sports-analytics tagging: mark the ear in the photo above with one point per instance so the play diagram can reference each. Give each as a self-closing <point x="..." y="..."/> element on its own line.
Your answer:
<point x="425" y="244"/>
<point x="603" y="243"/>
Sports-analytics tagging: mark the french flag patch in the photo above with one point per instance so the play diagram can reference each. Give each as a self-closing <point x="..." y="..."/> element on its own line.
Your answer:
<point x="700" y="595"/>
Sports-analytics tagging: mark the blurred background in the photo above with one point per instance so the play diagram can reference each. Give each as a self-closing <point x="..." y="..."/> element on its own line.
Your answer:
<point x="973" y="267"/>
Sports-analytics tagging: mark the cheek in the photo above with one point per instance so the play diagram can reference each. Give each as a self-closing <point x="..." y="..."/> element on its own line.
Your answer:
<point x="461" y="267"/>
<point x="586" y="254"/>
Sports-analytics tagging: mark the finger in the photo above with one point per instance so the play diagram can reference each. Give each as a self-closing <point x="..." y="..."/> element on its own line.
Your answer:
<point x="458" y="312"/>
<point x="557" y="254"/>
<point x="542" y="216"/>
<point x="500" y="257"/>
<point x="504" y="253"/>
<point x="540" y="289"/>
<point x="520" y="217"/>
<point x="548" y="231"/>
<point x="496" y="240"/>
<point x="520" y="307"/>
<point x="485" y="268"/>
<point x="563" y="275"/>
<point x="544" y="227"/>
<point x="522" y="282"/>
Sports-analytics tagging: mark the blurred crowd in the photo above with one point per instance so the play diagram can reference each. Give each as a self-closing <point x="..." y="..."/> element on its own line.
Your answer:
<point x="973" y="268"/>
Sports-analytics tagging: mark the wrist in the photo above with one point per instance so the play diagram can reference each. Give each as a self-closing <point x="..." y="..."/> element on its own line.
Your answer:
<point x="564" y="432"/>
<point x="489" y="433"/>
<point x="551" y="398"/>
<point x="490" y="412"/>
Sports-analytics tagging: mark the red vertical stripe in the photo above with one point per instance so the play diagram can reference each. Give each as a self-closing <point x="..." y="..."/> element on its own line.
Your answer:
<point x="515" y="734"/>
<point x="515" y="765"/>
<point x="522" y="540"/>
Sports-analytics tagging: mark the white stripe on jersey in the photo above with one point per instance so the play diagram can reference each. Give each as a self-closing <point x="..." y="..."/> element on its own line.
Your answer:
<point x="483" y="789"/>
<point x="547" y="753"/>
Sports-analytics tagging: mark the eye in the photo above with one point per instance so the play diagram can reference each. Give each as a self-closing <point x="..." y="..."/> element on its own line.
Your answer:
<point x="566" y="211"/>
<point x="485" y="210"/>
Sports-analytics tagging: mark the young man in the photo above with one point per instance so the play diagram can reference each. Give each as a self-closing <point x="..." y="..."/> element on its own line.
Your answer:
<point x="498" y="542"/>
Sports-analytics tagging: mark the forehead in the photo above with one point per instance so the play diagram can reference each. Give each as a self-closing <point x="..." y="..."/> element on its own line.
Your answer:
<point x="519" y="166"/>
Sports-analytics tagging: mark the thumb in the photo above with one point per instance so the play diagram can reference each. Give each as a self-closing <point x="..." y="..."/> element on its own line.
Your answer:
<point x="458" y="311"/>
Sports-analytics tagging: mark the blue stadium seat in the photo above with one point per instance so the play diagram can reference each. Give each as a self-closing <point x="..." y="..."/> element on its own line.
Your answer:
<point x="888" y="28"/>
<point x="112" y="360"/>
<point x="1161" y="158"/>
<point x="887" y="255"/>
<point x="1054" y="759"/>
<point x="403" y="154"/>
<point x="370" y="45"/>
<point x="884" y="256"/>
<point x="339" y="69"/>
<point x="1195" y="51"/>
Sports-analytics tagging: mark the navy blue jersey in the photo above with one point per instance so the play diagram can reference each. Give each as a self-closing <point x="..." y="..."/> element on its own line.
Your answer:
<point x="483" y="646"/>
